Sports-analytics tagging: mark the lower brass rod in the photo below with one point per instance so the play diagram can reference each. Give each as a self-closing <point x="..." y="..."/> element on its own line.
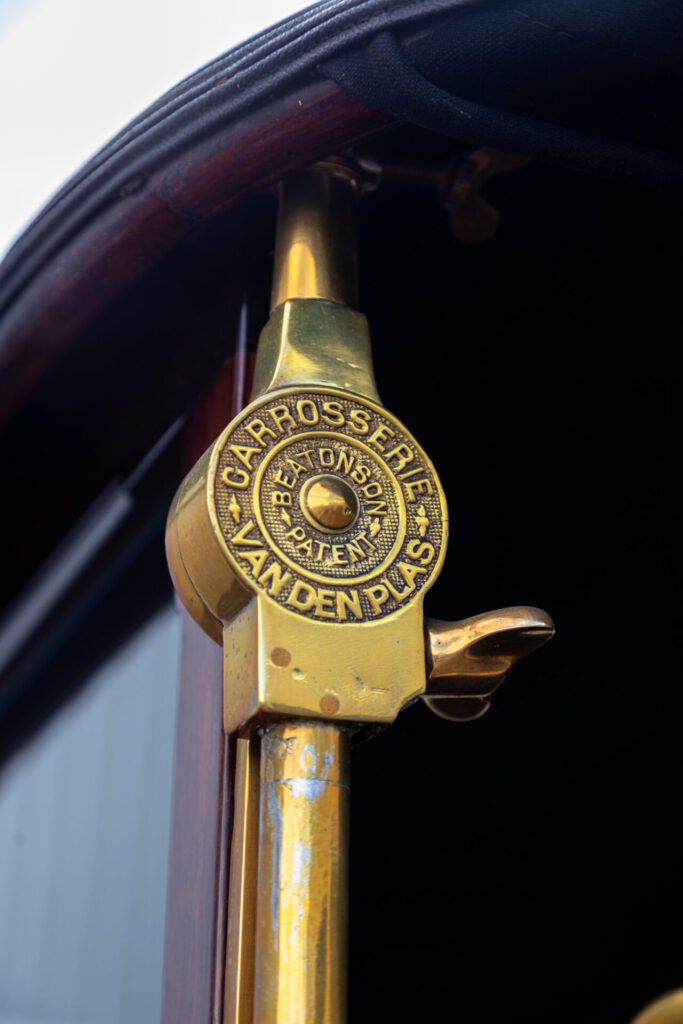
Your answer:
<point x="301" y="920"/>
<point x="239" y="966"/>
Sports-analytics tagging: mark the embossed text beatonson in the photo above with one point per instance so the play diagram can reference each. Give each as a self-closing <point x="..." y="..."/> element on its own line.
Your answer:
<point x="390" y="543"/>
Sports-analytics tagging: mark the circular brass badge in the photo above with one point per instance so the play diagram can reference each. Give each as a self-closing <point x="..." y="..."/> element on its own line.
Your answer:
<point x="325" y="502"/>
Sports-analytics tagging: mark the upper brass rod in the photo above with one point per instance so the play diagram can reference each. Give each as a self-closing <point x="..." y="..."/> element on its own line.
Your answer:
<point x="315" y="250"/>
<point x="300" y="975"/>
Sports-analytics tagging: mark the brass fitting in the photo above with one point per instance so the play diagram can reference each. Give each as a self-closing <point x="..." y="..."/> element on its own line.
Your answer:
<point x="307" y="536"/>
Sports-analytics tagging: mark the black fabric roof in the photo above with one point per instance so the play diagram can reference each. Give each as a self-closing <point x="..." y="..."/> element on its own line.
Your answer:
<point x="591" y="86"/>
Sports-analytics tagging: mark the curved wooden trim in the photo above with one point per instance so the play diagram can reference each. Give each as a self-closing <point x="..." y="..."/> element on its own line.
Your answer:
<point x="117" y="248"/>
<point x="201" y="821"/>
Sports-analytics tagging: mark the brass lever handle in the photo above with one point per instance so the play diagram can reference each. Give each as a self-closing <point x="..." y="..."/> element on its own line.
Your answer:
<point x="468" y="660"/>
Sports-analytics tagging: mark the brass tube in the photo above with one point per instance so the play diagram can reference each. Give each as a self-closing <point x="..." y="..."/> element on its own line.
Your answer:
<point x="667" y="1010"/>
<point x="300" y="972"/>
<point x="239" y="964"/>
<point x="315" y="250"/>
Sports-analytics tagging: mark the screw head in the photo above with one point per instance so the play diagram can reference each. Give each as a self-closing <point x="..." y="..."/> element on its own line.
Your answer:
<point x="329" y="502"/>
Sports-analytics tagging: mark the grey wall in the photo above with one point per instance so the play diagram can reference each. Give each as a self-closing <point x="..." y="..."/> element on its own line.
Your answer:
<point x="84" y="827"/>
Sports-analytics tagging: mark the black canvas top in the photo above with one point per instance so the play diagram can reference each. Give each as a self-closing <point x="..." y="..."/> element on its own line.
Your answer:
<point x="594" y="87"/>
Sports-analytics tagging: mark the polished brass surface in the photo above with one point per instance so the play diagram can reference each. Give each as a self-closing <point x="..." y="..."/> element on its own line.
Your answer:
<point x="239" y="964"/>
<point x="315" y="249"/>
<point x="307" y="341"/>
<point x="329" y="503"/>
<point x="667" y="1010"/>
<point x="258" y="570"/>
<point x="302" y="871"/>
<point x="305" y="540"/>
<point x="468" y="660"/>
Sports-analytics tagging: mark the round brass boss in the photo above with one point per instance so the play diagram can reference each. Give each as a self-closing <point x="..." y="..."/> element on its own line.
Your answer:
<point x="329" y="503"/>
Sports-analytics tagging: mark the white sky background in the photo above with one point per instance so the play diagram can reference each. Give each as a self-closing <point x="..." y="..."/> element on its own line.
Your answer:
<point x="74" y="72"/>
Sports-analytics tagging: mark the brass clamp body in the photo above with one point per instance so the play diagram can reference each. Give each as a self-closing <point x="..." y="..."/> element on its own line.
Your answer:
<point x="305" y="540"/>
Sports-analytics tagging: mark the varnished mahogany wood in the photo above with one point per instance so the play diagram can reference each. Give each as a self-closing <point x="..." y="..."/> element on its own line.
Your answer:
<point x="198" y="859"/>
<point x="131" y="236"/>
<point x="105" y="326"/>
<point x="194" y="959"/>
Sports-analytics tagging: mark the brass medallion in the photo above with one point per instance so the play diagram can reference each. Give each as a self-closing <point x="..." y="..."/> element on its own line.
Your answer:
<point x="325" y="502"/>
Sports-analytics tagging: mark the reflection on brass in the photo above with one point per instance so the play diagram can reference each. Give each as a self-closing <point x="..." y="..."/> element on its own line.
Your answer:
<point x="468" y="660"/>
<point x="277" y="581"/>
<point x="315" y="249"/>
<point x="300" y="972"/>
<point x="308" y="341"/>
<point x="329" y="503"/>
<point x="667" y="1010"/>
<point x="305" y="540"/>
<point x="239" y="964"/>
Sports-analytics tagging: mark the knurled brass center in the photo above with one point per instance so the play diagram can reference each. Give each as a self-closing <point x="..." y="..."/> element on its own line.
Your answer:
<point x="329" y="503"/>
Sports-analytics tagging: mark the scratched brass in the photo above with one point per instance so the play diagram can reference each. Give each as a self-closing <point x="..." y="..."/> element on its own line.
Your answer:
<point x="243" y="513"/>
<point x="302" y="872"/>
<point x="305" y="540"/>
<point x="315" y="342"/>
